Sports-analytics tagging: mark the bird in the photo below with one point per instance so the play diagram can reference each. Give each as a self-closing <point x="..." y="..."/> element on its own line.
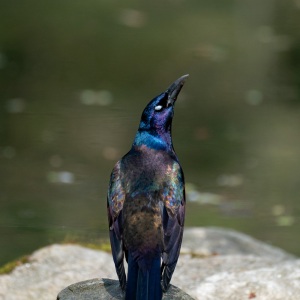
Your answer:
<point x="146" y="203"/>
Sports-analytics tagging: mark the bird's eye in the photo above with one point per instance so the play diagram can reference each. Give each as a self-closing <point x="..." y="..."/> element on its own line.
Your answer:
<point x="158" y="107"/>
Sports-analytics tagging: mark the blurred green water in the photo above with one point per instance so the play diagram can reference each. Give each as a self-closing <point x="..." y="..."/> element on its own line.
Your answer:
<point x="75" y="77"/>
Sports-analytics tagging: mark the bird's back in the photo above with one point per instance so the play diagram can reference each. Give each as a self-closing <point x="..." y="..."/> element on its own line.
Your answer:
<point x="145" y="178"/>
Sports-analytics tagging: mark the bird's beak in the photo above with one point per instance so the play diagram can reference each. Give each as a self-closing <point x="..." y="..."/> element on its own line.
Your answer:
<point x="175" y="89"/>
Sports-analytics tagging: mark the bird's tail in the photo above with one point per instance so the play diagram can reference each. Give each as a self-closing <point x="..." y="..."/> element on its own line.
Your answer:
<point x="144" y="281"/>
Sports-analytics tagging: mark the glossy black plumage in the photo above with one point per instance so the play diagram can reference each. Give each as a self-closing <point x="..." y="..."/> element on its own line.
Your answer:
<point x="146" y="203"/>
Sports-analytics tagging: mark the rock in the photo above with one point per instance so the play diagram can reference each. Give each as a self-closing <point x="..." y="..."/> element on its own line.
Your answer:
<point x="237" y="276"/>
<point x="108" y="289"/>
<point x="51" y="269"/>
<point x="279" y="282"/>
<point x="219" y="241"/>
<point x="215" y="264"/>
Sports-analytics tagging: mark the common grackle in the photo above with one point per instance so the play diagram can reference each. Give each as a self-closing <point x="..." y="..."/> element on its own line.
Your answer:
<point x="146" y="203"/>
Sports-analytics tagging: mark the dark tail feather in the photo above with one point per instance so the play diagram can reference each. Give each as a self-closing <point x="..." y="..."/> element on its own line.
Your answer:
<point x="143" y="284"/>
<point x="132" y="278"/>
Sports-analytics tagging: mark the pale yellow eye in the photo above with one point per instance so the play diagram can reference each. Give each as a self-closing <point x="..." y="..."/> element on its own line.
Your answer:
<point x="158" y="107"/>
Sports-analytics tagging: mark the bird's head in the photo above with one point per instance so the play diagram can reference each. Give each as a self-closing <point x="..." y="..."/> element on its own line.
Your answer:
<point x="158" y="114"/>
<point x="157" y="117"/>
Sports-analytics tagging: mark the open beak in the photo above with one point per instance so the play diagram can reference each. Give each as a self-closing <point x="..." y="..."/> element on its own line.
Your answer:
<point x="175" y="89"/>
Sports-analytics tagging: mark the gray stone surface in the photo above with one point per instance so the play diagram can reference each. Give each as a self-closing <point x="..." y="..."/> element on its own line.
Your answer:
<point x="215" y="264"/>
<point x="219" y="241"/>
<point x="108" y="289"/>
<point x="277" y="282"/>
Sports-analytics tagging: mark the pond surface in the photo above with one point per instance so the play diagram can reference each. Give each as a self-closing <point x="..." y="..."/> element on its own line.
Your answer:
<point x="75" y="77"/>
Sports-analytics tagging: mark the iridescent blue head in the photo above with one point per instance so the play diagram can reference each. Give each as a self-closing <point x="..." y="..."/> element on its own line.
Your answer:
<point x="155" y="126"/>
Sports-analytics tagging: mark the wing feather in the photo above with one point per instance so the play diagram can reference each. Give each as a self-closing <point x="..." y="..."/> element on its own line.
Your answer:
<point x="173" y="196"/>
<point x="115" y="201"/>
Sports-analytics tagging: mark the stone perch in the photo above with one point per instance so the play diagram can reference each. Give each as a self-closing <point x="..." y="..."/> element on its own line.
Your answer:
<point x="215" y="263"/>
<point x="109" y="289"/>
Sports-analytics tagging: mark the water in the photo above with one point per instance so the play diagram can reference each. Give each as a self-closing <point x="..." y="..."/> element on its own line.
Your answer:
<point x="76" y="76"/>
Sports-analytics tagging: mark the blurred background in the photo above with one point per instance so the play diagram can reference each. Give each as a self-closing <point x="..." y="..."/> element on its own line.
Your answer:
<point x="75" y="77"/>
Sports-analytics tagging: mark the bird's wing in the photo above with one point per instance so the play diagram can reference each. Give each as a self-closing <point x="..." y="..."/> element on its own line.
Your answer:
<point x="115" y="201"/>
<point x="173" y="195"/>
